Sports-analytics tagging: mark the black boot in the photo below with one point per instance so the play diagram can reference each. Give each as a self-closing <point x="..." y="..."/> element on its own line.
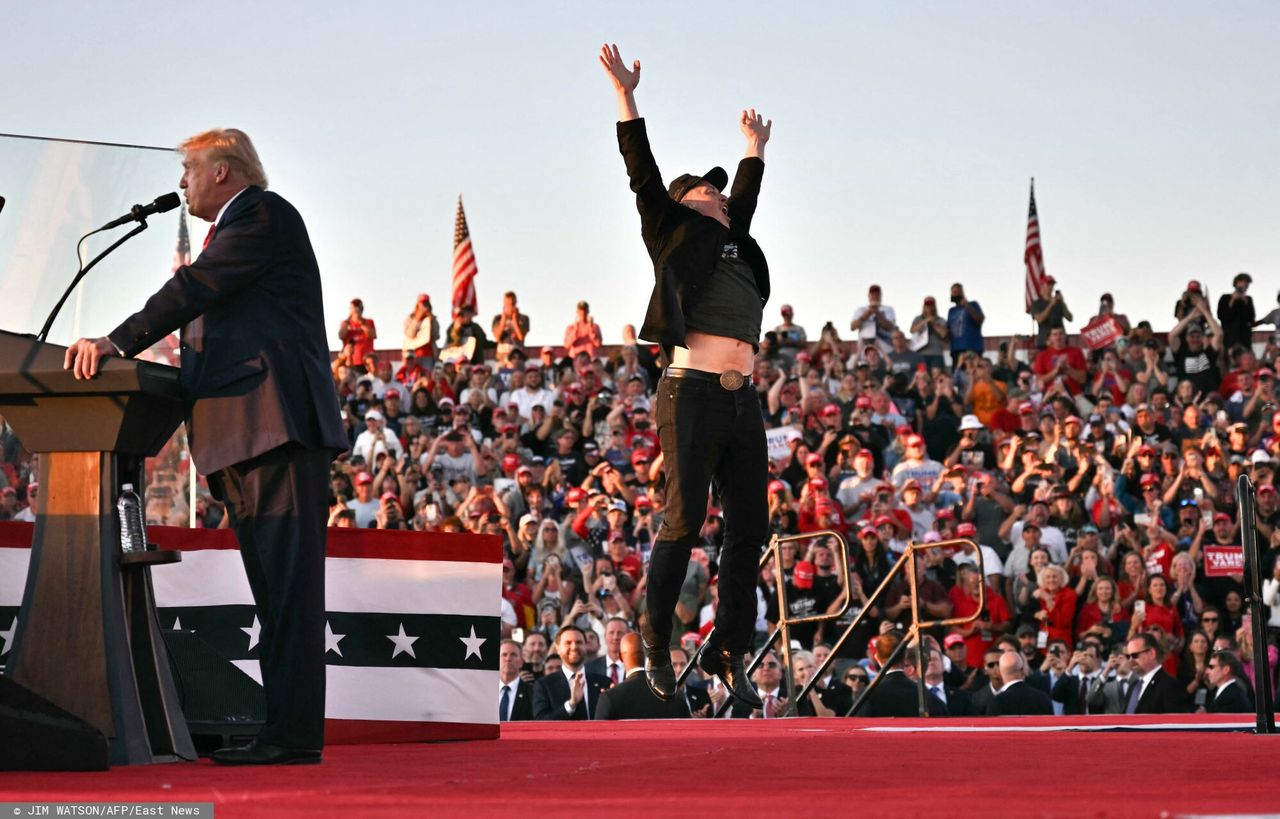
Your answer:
<point x="727" y="665"/>
<point x="658" y="671"/>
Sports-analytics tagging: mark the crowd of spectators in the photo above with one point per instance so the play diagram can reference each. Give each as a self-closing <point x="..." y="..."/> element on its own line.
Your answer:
<point x="1094" y="479"/>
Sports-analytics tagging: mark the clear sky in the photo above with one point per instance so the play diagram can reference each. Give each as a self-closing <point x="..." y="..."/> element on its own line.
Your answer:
<point x="904" y="137"/>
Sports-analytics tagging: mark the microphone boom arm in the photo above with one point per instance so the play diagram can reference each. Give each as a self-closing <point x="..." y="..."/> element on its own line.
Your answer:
<point x="57" y="308"/>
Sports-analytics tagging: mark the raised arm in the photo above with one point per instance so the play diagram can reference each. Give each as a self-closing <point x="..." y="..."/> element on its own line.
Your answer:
<point x="754" y="127"/>
<point x="624" y="81"/>
<point x="746" y="182"/>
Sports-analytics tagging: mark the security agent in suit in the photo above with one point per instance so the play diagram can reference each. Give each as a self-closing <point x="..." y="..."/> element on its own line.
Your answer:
<point x="571" y="693"/>
<point x="711" y="282"/>
<point x="632" y="699"/>
<point x="262" y="420"/>
<point x="1230" y="693"/>
<point x="1156" y="692"/>
<point x="954" y="702"/>
<point x="893" y="693"/>
<point x="1017" y="697"/>
<point x="515" y="695"/>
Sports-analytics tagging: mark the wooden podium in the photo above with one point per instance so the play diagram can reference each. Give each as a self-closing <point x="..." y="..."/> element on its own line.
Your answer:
<point x="87" y="638"/>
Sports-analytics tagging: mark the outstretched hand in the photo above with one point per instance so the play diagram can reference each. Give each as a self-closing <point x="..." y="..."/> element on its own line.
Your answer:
<point x="753" y="126"/>
<point x="624" y="81"/>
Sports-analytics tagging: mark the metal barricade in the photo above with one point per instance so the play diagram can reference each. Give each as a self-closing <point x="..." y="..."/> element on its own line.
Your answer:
<point x="908" y="560"/>
<point x="772" y="553"/>
<point x="1263" y="696"/>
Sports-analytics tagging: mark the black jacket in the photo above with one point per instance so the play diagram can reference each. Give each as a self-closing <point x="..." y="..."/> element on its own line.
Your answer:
<point x="1164" y="695"/>
<point x="1233" y="699"/>
<point x="522" y="707"/>
<point x="683" y="244"/>
<point x="256" y="369"/>
<point x="632" y="699"/>
<point x="551" y="692"/>
<point x="897" y="696"/>
<point x="1021" y="699"/>
<point x="1067" y="691"/>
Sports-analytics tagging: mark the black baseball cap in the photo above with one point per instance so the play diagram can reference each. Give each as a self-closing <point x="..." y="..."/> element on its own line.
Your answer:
<point x="685" y="182"/>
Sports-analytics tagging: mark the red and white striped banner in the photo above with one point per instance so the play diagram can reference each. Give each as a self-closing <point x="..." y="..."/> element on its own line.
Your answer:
<point x="412" y="625"/>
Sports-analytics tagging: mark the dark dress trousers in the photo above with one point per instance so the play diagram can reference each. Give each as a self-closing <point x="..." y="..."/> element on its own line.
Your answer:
<point x="1020" y="699"/>
<point x="263" y="424"/>
<point x="551" y="692"/>
<point x="1164" y="695"/>
<point x="1233" y="699"/>
<point x="897" y="696"/>
<point x="632" y="699"/>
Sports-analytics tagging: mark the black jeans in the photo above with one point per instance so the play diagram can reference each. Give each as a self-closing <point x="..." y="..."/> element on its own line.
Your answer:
<point x="709" y="434"/>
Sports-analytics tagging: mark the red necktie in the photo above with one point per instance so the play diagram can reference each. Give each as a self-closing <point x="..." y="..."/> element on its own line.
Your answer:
<point x="613" y="673"/>
<point x="768" y="706"/>
<point x="208" y="237"/>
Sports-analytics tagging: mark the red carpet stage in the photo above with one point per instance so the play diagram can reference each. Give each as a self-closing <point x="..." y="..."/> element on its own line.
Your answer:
<point x="1005" y="767"/>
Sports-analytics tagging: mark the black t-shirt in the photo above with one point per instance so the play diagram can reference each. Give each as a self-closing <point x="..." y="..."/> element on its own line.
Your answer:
<point x="729" y="303"/>
<point x="1200" y="368"/>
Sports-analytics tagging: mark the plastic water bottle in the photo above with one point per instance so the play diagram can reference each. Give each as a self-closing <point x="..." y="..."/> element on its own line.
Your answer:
<point x="133" y="535"/>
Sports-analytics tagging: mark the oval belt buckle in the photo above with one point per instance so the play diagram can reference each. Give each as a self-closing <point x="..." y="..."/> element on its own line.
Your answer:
<point x="732" y="380"/>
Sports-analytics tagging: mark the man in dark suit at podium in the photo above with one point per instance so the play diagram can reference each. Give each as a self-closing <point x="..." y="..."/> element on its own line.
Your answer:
<point x="632" y="699"/>
<point x="263" y="420"/>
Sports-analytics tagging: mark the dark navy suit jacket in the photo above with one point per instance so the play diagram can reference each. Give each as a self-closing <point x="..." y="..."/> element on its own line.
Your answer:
<point x="257" y="369"/>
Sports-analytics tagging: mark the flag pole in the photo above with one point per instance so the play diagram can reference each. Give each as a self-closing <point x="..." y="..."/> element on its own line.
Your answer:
<point x="1032" y="314"/>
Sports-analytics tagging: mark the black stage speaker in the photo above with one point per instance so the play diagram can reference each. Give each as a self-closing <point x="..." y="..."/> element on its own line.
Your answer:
<point x="223" y="706"/>
<point x="36" y="735"/>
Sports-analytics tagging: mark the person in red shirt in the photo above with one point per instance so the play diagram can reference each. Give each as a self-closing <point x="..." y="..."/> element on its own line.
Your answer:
<point x="1059" y="367"/>
<point x="624" y="561"/>
<point x="1156" y="612"/>
<point x="1099" y="615"/>
<point x="358" y="333"/>
<point x="1058" y="601"/>
<point x="1158" y="553"/>
<point x="978" y="635"/>
<point x="517" y="594"/>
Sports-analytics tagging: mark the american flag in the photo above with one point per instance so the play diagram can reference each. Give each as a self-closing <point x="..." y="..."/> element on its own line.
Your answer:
<point x="1034" y="254"/>
<point x="182" y="253"/>
<point x="464" y="263"/>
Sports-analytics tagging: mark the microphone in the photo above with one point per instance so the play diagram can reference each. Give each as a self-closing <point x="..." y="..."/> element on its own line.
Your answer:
<point x="137" y="213"/>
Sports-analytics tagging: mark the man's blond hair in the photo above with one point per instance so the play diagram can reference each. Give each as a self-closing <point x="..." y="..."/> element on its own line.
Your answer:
<point x="230" y="145"/>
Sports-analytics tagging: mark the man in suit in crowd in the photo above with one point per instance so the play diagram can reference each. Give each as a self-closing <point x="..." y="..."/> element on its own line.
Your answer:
<point x="834" y="694"/>
<point x="1156" y="692"/>
<point x="263" y="419"/>
<point x="954" y="702"/>
<point x="515" y="695"/>
<point x="1084" y="674"/>
<point x="1229" y="695"/>
<point x="694" y="691"/>
<point x="632" y="699"/>
<point x="1112" y="696"/>
<point x="893" y="693"/>
<point x="985" y="696"/>
<point x="571" y="693"/>
<point x="1017" y="697"/>
<point x="611" y="663"/>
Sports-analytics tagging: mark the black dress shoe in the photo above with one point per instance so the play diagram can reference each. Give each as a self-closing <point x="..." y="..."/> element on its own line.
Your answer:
<point x="659" y="672"/>
<point x="260" y="753"/>
<point x="727" y="665"/>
